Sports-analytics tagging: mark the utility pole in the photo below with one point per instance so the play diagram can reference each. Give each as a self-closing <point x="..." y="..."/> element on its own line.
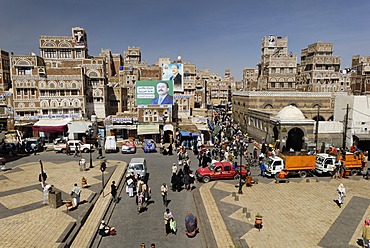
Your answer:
<point x="317" y="127"/>
<point x="345" y="129"/>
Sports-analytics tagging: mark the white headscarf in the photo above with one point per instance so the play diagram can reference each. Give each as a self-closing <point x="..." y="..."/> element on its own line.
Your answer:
<point x="341" y="188"/>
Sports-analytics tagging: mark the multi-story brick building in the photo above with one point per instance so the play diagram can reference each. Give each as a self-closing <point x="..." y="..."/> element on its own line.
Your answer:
<point x="6" y="104"/>
<point x="319" y="70"/>
<point x="278" y="69"/>
<point x="249" y="81"/>
<point x="63" y="82"/>
<point x="360" y="75"/>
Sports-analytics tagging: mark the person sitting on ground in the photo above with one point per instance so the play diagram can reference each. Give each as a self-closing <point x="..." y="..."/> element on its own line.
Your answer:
<point x="105" y="230"/>
<point x="191" y="224"/>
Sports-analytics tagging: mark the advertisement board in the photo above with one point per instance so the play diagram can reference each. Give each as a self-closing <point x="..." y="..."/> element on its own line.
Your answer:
<point x="154" y="92"/>
<point x="174" y="72"/>
<point x="79" y="38"/>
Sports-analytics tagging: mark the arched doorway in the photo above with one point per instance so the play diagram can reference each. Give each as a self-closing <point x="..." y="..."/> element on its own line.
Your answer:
<point x="276" y="133"/>
<point x="294" y="140"/>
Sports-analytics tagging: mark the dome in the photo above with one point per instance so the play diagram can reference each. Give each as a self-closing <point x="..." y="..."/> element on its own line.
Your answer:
<point x="290" y="113"/>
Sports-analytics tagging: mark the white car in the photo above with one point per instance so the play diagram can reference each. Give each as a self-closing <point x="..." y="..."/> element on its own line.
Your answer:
<point x="72" y="146"/>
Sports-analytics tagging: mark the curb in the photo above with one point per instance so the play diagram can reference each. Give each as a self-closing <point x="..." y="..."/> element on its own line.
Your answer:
<point x="205" y="228"/>
<point x="72" y="230"/>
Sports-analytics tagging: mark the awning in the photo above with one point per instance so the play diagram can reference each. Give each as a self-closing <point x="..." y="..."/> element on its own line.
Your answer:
<point x="148" y="129"/>
<point x="189" y="128"/>
<point x="78" y="126"/>
<point x="51" y="125"/>
<point x="187" y="134"/>
<point x="127" y="127"/>
<point x="168" y="127"/>
<point x="363" y="137"/>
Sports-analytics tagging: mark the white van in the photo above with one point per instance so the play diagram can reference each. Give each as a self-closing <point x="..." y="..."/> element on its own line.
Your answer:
<point x="110" y="144"/>
<point x="137" y="166"/>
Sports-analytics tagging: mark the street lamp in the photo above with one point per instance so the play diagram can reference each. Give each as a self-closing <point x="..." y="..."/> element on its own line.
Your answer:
<point x="240" y="150"/>
<point x="89" y="133"/>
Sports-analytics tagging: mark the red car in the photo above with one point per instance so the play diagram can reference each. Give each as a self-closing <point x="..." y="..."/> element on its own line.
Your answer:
<point x="219" y="170"/>
<point x="128" y="146"/>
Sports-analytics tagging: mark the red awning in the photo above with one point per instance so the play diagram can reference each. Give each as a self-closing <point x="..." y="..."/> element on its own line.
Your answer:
<point x="51" y="125"/>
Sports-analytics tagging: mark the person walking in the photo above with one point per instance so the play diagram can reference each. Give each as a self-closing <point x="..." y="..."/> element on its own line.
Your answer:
<point x="167" y="216"/>
<point x="76" y="151"/>
<point x="100" y="152"/>
<point x="76" y="194"/>
<point x="46" y="192"/>
<point x="164" y="191"/>
<point x="113" y="191"/>
<point x="366" y="233"/>
<point x="174" y="168"/>
<point x="42" y="178"/>
<point x="341" y="194"/>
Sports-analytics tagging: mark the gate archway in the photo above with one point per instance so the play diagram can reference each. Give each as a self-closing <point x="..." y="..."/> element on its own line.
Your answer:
<point x="294" y="140"/>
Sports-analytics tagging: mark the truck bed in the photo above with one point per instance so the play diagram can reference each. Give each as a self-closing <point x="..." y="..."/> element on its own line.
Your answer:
<point x="300" y="162"/>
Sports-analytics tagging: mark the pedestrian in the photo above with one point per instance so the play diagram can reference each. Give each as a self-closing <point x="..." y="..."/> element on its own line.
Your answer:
<point x="113" y="191"/>
<point x="139" y="201"/>
<point x="179" y="180"/>
<point x="46" y="192"/>
<point x="366" y="233"/>
<point x="152" y="245"/>
<point x="100" y="152"/>
<point x="142" y="245"/>
<point x="164" y="191"/>
<point x="187" y="181"/>
<point x="174" y="168"/>
<point x="262" y="168"/>
<point x="76" y="151"/>
<point x="67" y="149"/>
<point x="170" y="153"/>
<point x="42" y="178"/>
<point x="341" y="194"/>
<point x="173" y="182"/>
<point x="131" y="185"/>
<point x="191" y="224"/>
<point x="76" y="194"/>
<point x="167" y="219"/>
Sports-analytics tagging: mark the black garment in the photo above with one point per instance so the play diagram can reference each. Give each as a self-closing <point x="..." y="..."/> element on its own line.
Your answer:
<point x="44" y="176"/>
<point x="113" y="189"/>
<point x="174" y="181"/>
<point x="170" y="150"/>
<point x="180" y="180"/>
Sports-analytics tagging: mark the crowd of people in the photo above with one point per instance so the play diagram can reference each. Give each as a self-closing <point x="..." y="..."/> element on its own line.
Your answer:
<point x="136" y="187"/>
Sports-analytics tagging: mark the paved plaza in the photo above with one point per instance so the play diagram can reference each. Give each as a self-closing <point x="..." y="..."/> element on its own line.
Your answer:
<point x="301" y="213"/>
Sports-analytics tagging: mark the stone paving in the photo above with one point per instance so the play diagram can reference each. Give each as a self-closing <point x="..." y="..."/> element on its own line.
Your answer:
<point x="295" y="214"/>
<point x="25" y="222"/>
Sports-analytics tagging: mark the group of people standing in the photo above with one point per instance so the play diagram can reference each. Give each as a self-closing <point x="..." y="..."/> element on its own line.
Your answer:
<point x="135" y="186"/>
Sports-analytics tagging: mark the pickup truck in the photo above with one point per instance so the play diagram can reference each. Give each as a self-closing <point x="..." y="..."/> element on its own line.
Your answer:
<point x="300" y="164"/>
<point x="61" y="147"/>
<point x="219" y="170"/>
<point x="352" y="163"/>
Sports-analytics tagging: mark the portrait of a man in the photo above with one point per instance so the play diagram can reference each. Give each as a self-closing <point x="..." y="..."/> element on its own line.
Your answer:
<point x="163" y="96"/>
<point x="176" y="76"/>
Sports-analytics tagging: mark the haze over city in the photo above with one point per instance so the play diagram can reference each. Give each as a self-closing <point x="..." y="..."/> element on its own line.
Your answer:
<point x="217" y="34"/>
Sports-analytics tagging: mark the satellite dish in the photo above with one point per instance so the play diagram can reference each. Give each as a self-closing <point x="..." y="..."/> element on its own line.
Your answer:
<point x="179" y="58"/>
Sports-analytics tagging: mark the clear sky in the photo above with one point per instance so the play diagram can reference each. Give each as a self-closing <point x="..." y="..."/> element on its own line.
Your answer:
<point x="213" y="34"/>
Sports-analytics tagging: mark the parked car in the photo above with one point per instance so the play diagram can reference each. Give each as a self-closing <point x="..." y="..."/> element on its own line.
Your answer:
<point x="110" y="144"/>
<point x="137" y="166"/>
<point x="219" y="170"/>
<point x="149" y="146"/>
<point x="36" y="142"/>
<point x="128" y="146"/>
<point x="72" y="146"/>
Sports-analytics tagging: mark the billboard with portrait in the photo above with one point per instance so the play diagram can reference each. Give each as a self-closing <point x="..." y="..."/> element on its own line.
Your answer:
<point x="154" y="92"/>
<point x="174" y="72"/>
<point x="79" y="38"/>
